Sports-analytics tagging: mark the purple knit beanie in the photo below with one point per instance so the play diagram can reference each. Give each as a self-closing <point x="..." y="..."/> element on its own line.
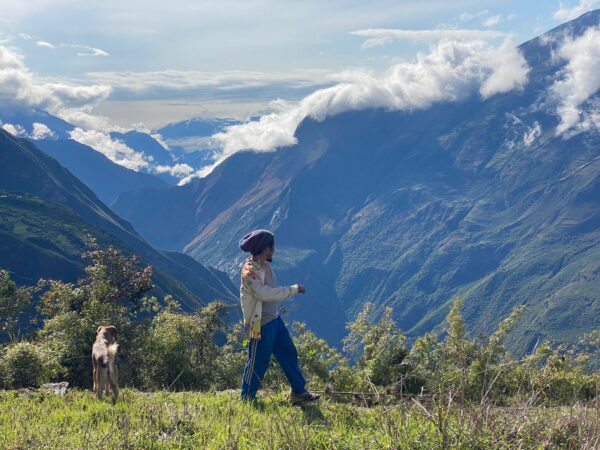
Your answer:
<point x="256" y="241"/>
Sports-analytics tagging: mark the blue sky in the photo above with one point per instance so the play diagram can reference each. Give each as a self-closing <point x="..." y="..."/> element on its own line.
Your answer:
<point x="169" y="60"/>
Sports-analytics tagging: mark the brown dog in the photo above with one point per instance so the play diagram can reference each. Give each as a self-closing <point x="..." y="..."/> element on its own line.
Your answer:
<point x="104" y="353"/>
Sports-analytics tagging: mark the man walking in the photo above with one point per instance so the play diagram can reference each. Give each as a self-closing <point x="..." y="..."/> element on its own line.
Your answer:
<point x="267" y="333"/>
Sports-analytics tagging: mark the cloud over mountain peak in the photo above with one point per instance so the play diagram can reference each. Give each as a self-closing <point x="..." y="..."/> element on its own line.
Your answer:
<point x="453" y="70"/>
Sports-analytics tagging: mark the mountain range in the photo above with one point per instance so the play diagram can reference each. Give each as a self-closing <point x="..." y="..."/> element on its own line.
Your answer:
<point x="187" y="144"/>
<point x="47" y="214"/>
<point x="478" y="198"/>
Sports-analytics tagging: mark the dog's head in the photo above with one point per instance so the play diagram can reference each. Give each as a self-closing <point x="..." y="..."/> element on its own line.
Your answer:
<point x="107" y="332"/>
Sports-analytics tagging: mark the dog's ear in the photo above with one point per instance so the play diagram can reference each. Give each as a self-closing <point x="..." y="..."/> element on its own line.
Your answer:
<point x="99" y="328"/>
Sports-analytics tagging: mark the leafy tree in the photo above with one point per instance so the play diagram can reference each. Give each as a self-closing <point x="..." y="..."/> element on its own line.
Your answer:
<point x="111" y="293"/>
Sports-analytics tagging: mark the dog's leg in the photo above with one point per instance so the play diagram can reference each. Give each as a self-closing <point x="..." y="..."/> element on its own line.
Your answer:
<point x="95" y="375"/>
<point x="113" y="377"/>
<point x="101" y="381"/>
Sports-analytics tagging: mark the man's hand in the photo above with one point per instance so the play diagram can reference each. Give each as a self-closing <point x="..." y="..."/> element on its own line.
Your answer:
<point x="301" y="289"/>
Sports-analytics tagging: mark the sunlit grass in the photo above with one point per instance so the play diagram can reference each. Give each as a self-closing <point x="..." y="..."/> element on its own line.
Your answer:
<point x="34" y="419"/>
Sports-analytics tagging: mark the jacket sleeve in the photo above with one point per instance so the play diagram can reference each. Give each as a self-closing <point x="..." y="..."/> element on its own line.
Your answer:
<point x="271" y="294"/>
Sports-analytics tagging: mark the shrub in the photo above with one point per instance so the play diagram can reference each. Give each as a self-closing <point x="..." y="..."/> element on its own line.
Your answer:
<point x="377" y="349"/>
<point x="13" y="303"/>
<point x="317" y="359"/>
<point x="24" y="364"/>
<point x="231" y="359"/>
<point x="179" y="350"/>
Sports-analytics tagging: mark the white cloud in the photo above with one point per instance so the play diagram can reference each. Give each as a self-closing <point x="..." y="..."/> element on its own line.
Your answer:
<point x="115" y="150"/>
<point x="452" y="71"/>
<point x="519" y="134"/>
<point x="492" y="21"/>
<point x="197" y="174"/>
<point x="468" y="17"/>
<point x="44" y="44"/>
<point x="158" y="138"/>
<point x="532" y="134"/>
<point x="485" y="18"/>
<point x="25" y="36"/>
<point x="227" y="80"/>
<point x="83" y="119"/>
<point x="382" y="36"/>
<point x="591" y="118"/>
<point x="89" y="51"/>
<point x="565" y="12"/>
<point x="15" y="130"/>
<point x="41" y="131"/>
<point x="19" y="87"/>
<point x="178" y="170"/>
<point x="577" y="82"/>
<point x="509" y="69"/>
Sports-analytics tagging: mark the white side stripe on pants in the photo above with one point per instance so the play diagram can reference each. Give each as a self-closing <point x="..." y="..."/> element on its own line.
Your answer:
<point x="250" y="371"/>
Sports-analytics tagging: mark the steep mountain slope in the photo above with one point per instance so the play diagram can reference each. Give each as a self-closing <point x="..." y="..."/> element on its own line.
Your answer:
<point x="40" y="239"/>
<point x="99" y="173"/>
<point x="478" y="198"/>
<point x="25" y="169"/>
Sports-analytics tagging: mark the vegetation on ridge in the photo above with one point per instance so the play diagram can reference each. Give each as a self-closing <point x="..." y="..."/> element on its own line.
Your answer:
<point x="441" y="390"/>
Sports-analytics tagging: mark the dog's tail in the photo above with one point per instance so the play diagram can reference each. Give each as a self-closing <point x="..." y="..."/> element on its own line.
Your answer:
<point x="108" y="359"/>
<point x="111" y="352"/>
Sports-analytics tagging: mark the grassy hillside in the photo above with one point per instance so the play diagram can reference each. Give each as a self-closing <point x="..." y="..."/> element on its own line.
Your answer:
<point x="30" y="419"/>
<point x="43" y="239"/>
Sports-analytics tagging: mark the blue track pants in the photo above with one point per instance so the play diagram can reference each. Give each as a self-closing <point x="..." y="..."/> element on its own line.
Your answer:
<point x="276" y="340"/>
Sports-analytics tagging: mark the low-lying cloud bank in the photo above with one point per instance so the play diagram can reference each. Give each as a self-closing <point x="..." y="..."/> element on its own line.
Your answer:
<point x="453" y="70"/>
<point x="186" y="80"/>
<point x="114" y="150"/>
<point x="38" y="131"/>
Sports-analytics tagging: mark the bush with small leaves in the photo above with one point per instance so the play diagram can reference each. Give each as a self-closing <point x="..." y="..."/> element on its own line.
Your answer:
<point x="179" y="350"/>
<point x="377" y="349"/>
<point x="231" y="359"/>
<point x="14" y="302"/>
<point x="24" y="364"/>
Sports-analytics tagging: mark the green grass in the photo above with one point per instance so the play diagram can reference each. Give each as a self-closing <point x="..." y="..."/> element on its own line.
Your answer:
<point x="34" y="419"/>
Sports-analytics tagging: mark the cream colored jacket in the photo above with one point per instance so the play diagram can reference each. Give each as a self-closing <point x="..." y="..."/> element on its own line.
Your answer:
<point x="254" y="291"/>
